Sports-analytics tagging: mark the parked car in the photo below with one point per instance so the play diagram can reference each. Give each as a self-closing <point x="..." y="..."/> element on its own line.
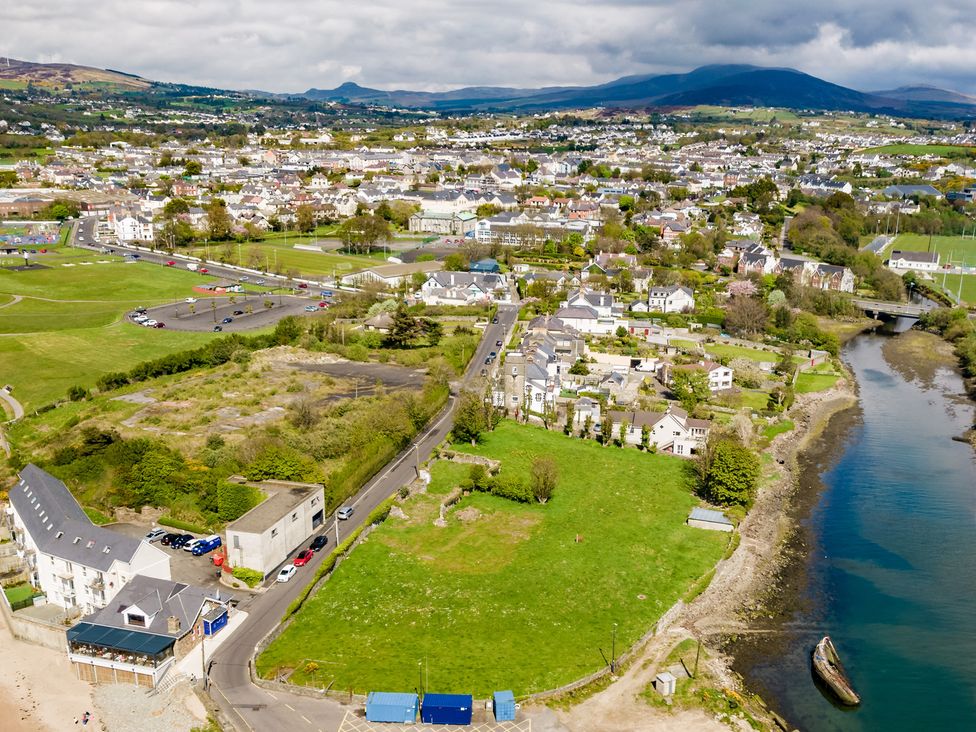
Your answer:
<point x="318" y="542"/>
<point x="243" y="278"/>
<point x="169" y="539"/>
<point x="302" y="286"/>
<point x="149" y="323"/>
<point x="181" y="541"/>
<point x="492" y="354"/>
<point x="323" y="304"/>
<point x="286" y="573"/>
<point x="344" y="513"/>
<point x="495" y="320"/>
<point x="203" y="270"/>
<point x="203" y="546"/>
<point x="140" y="318"/>
<point x="191" y="299"/>
<point x="160" y="325"/>
<point x="258" y="282"/>
<point x="498" y="344"/>
<point x="188" y="547"/>
<point x="303" y="558"/>
<point x="228" y="319"/>
<point x="487" y="360"/>
<point x="238" y="312"/>
<point x="155" y="535"/>
<point x="170" y="263"/>
<point x="140" y="309"/>
<point x="311" y="309"/>
<point x="217" y="328"/>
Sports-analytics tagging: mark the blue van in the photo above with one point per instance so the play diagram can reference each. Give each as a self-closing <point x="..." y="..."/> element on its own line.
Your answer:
<point x="206" y="545"/>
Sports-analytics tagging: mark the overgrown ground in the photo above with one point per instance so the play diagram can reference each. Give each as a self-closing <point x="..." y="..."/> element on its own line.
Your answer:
<point x="505" y="596"/>
<point x="279" y="254"/>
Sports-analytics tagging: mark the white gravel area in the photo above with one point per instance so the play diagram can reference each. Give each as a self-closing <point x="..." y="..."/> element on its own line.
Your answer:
<point x="127" y="708"/>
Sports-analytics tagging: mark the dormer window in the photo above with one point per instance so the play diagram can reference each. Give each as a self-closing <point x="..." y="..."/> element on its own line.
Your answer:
<point x="90" y="544"/>
<point x="106" y="550"/>
<point x="59" y="535"/>
<point x="135" y="619"/>
<point x="77" y="539"/>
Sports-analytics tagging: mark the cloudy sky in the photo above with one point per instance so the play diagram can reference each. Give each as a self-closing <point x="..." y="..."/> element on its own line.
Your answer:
<point x="291" y="45"/>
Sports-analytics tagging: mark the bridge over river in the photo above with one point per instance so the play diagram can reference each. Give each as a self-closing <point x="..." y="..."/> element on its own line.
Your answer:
<point x="891" y="309"/>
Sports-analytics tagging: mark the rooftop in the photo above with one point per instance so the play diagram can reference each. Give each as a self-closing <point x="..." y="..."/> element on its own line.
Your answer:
<point x="283" y="497"/>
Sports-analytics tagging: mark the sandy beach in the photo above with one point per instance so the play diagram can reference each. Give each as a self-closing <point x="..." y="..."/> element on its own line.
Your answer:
<point x="38" y="692"/>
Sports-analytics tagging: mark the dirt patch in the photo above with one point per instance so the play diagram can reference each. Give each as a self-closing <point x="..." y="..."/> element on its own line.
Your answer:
<point x="467" y="515"/>
<point x="136" y="397"/>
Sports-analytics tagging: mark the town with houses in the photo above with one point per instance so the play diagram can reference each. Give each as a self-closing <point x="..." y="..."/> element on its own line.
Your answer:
<point x="660" y="283"/>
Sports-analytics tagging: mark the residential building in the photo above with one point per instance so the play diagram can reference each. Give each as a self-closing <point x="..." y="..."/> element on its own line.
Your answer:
<point x="672" y="431"/>
<point x="79" y="566"/>
<point x="450" y="224"/>
<point x="390" y="275"/>
<point x="150" y="624"/>
<point x="918" y="261"/>
<point x="719" y="376"/>
<point x="672" y="299"/>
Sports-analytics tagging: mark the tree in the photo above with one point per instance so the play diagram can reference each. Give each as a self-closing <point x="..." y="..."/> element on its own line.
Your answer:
<point x="728" y="471"/>
<point x="174" y="207"/>
<point x="192" y="167"/>
<point x="362" y="232"/>
<point x="432" y="330"/>
<point x="570" y="418"/>
<point x="745" y="315"/>
<point x="455" y="262"/>
<point x="587" y="426"/>
<point x="60" y="209"/>
<point x="218" y="220"/>
<point x="606" y="430"/>
<point x="545" y="476"/>
<point x="404" y="328"/>
<point x="624" y="425"/>
<point x="579" y="368"/>
<point x="645" y="436"/>
<point x="305" y="218"/>
<point x="690" y="386"/>
<point x="469" y="419"/>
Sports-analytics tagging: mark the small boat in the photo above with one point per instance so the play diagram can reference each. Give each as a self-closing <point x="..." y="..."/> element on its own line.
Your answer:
<point x="827" y="664"/>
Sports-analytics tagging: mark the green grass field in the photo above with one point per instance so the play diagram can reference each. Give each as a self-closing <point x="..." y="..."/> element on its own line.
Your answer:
<point x="808" y="382"/>
<point x="504" y="596"/>
<point x="280" y="255"/>
<point x="955" y="249"/>
<point x="909" y="149"/>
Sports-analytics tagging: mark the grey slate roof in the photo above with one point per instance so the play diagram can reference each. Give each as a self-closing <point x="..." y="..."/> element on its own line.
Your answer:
<point x="60" y="528"/>
<point x="159" y="598"/>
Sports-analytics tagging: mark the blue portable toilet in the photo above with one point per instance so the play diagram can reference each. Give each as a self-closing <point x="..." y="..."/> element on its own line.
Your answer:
<point x="446" y="709"/>
<point x="503" y="705"/>
<point x="385" y="706"/>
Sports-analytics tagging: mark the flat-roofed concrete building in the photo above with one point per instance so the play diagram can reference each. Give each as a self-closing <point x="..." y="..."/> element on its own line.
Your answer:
<point x="263" y="537"/>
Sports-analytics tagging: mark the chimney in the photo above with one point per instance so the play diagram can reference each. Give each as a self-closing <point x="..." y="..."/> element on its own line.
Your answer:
<point x="173" y="625"/>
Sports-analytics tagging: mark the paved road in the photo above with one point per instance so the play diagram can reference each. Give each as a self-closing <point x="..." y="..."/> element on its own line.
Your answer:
<point x="253" y="708"/>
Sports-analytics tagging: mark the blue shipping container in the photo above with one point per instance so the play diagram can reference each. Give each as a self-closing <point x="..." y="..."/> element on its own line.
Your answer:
<point x="385" y="706"/>
<point x="446" y="709"/>
<point x="503" y="705"/>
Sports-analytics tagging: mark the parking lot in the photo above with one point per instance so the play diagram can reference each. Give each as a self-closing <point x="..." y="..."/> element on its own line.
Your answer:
<point x="184" y="567"/>
<point x="206" y="312"/>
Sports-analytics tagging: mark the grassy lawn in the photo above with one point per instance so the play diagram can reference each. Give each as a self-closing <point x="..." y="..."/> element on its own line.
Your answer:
<point x="808" y="382"/>
<point x="504" y="596"/>
<point x="778" y="428"/>
<point x="723" y="350"/>
<point x="281" y="255"/>
<point x="17" y="593"/>
<point x="42" y="366"/>
<point x="956" y="248"/>
<point x="909" y="149"/>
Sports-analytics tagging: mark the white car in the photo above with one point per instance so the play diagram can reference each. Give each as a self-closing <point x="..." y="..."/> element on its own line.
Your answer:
<point x="344" y="513"/>
<point x="150" y="323"/>
<point x="188" y="547"/>
<point x="140" y="318"/>
<point x="191" y="299"/>
<point x="155" y="535"/>
<point x="286" y="573"/>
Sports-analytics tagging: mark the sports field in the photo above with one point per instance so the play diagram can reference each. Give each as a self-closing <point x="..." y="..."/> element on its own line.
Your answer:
<point x="958" y="250"/>
<point x="280" y="255"/>
<point x="507" y="595"/>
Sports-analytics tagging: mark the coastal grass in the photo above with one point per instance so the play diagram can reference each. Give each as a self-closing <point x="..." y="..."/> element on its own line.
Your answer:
<point x="777" y="428"/>
<point x="507" y="595"/>
<point x="808" y="382"/>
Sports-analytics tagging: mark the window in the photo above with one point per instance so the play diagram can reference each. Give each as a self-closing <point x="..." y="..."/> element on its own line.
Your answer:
<point x="137" y="620"/>
<point x="274" y="533"/>
<point x="294" y="517"/>
<point x="237" y="541"/>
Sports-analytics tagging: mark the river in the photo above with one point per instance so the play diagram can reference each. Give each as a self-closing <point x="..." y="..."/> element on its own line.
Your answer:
<point x="887" y="566"/>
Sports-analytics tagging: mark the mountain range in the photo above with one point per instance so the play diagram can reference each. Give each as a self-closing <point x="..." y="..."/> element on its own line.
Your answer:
<point x="727" y="85"/>
<point x="723" y="85"/>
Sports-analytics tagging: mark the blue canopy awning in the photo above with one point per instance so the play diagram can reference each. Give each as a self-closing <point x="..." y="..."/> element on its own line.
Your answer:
<point x="130" y="641"/>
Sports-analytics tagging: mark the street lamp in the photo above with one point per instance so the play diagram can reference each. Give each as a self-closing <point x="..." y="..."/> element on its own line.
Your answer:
<point x="613" y="651"/>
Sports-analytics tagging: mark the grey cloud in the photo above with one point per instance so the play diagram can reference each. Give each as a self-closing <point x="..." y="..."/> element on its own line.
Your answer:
<point x="429" y="44"/>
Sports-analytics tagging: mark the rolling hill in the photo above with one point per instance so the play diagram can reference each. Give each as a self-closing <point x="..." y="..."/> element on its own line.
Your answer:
<point x="14" y="73"/>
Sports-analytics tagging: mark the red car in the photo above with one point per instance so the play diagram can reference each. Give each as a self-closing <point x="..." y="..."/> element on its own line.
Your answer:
<point x="302" y="286"/>
<point x="323" y="304"/>
<point x="170" y="263"/>
<point x="203" y="270"/>
<point x="304" y="558"/>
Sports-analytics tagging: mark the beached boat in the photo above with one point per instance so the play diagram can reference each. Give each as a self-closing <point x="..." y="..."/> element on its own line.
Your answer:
<point x="827" y="664"/>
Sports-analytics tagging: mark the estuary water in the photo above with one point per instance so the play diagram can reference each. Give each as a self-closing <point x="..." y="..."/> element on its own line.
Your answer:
<point x="889" y="569"/>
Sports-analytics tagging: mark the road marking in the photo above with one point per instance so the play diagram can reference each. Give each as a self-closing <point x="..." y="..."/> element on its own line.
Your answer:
<point x="307" y="720"/>
<point x="290" y="707"/>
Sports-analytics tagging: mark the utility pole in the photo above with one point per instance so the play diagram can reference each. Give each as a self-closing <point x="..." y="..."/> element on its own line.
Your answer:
<point x="613" y="651"/>
<point x="697" y="656"/>
<point x="337" y="527"/>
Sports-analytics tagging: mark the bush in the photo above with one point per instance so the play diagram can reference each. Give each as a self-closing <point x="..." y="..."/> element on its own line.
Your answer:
<point x="250" y="577"/>
<point x="77" y="393"/>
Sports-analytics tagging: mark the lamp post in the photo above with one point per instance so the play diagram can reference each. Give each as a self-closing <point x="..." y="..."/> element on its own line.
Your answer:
<point x="613" y="650"/>
<point x="203" y="661"/>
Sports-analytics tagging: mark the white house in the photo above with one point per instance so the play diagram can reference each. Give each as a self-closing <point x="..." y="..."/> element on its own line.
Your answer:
<point x="463" y="288"/>
<point x="263" y="537"/>
<point x="78" y="565"/>
<point x="672" y="431"/>
<point x="918" y="261"/>
<point x="134" y="228"/>
<point x="719" y="376"/>
<point x="674" y="299"/>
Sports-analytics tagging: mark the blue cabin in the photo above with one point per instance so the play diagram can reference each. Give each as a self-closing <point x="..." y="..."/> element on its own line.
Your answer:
<point x="385" y="706"/>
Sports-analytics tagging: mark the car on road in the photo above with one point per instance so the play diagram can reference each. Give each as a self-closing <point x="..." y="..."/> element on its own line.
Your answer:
<point x="243" y="278"/>
<point x="191" y="300"/>
<point x="238" y="312"/>
<point x="498" y="344"/>
<point x="203" y="270"/>
<point x="311" y="309"/>
<point x="344" y="513"/>
<point x="170" y="263"/>
<point x="258" y="282"/>
<point x="160" y="325"/>
<point x="228" y="319"/>
<point x="495" y="320"/>
<point x="323" y="304"/>
<point x="218" y="328"/>
<point x="155" y="535"/>
<point x="168" y="539"/>
<point x="303" y="558"/>
<point x="492" y="355"/>
<point x="302" y="286"/>
<point x="181" y="541"/>
<point x="286" y="573"/>
<point x="150" y="323"/>
<point x="140" y="309"/>
<point x="487" y="360"/>
<point x="318" y="542"/>
<point x="140" y="318"/>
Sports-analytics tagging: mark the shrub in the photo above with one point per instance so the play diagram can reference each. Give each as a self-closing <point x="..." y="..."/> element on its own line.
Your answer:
<point x="250" y="577"/>
<point x="176" y="523"/>
<point x="77" y="393"/>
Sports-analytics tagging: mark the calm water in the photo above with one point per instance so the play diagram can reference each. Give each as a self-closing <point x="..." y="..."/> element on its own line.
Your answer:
<point x="891" y="574"/>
